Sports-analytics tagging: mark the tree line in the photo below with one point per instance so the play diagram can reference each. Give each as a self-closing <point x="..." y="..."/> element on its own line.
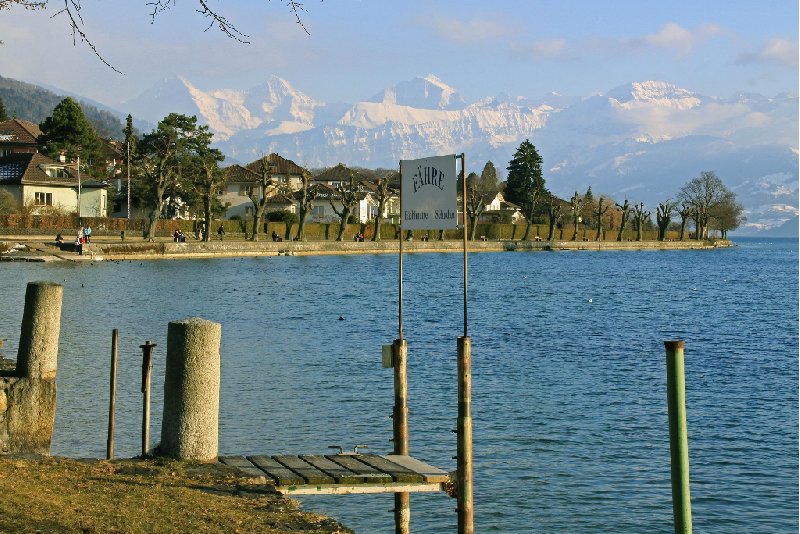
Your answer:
<point x="175" y="166"/>
<point x="704" y="201"/>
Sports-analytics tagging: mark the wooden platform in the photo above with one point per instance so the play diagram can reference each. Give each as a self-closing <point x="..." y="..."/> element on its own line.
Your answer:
<point x="341" y="473"/>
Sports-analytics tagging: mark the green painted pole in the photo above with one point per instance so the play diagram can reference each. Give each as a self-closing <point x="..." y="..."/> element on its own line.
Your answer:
<point x="678" y="438"/>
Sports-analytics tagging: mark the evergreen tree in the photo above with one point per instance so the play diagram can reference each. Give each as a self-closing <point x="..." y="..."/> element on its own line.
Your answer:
<point x="3" y="114"/>
<point x="68" y="130"/>
<point x="588" y="208"/>
<point x="525" y="184"/>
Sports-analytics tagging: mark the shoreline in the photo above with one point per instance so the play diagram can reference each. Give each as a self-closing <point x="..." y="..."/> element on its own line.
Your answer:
<point x="116" y="250"/>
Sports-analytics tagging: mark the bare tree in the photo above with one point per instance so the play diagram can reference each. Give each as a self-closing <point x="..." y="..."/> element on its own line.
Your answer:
<point x="703" y="194"/>
<point x="305" y="200"/>
<point x="348" y="192"/>
<point x="576" y="204"/>
<point x="555" y="211"/>
<point x="261" y="191"/>
<point x="382" y="194"/>
<point x="685" y="214"/>
<point x="602" y="207"/>
<point x="664" y="217"/>
<point x="639" y="218"/>
<point x="728" y="215"/>
<point x="625" y="211"/>
<point x="208" y="182"/>
<point x="479" y="189"/>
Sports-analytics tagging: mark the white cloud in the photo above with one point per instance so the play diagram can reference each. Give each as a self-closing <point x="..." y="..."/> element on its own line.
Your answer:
<point x="781" y="51"/>
<point x="675" y="37"/>
<point x="467" y="31"/>
<point x="541" y="49"/>
<point x="670" y="36"/>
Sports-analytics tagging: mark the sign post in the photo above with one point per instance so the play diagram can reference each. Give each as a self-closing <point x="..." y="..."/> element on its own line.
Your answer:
<point x="429" y="201"/>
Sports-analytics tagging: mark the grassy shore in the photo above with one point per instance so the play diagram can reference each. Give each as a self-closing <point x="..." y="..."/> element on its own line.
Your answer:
<point x="59" y="495"/>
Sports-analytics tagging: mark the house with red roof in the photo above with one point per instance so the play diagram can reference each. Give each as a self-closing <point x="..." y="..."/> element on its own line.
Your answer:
<point x="18" y="136"/>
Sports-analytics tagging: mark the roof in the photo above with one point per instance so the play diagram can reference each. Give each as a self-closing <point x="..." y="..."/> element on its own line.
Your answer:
<point x="340" y="173"/>
<point x="19" y="132"/>
<point x="283" y="165"/>
<point x="27" y="169"/>
<point x="237" y="173"/>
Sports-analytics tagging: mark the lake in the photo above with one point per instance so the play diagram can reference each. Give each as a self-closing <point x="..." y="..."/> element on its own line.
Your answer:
<point x="569" y="378"/>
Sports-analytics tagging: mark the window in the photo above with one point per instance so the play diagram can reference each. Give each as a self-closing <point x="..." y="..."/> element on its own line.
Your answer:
<point x="245" y="190"/>
<point x="318" y="211"/>
<point x="43" y="199"/>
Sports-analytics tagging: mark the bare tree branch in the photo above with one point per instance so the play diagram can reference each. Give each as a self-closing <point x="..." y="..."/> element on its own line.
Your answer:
<point x="73" y="10"/>
<point x="27" y="4"/>
<point x="296" y="8"/>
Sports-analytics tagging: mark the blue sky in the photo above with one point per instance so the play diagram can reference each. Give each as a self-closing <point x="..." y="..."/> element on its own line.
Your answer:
<point x="357" y="48"/>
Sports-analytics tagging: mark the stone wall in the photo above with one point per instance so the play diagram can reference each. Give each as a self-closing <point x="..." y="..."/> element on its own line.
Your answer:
<point x="196" y="249"/>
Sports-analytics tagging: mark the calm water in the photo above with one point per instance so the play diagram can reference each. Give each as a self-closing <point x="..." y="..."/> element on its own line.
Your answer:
<point x="569" y="396"/>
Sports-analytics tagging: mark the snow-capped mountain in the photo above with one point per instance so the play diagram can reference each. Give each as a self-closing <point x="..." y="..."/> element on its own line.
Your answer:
<point x="642" y="140"/>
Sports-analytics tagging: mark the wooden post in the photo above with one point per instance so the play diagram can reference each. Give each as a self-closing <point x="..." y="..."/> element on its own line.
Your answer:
<point x="678" y="438"/>
<point x="464" y="431"/>
<point x="112" y="397"/>
<point x="147" y="366"/>
<point x="402" y="501"/>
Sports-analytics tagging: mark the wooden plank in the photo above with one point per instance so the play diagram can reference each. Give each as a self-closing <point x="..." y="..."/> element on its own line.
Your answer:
<point x="365" y="472"/>
<point x="428" y="472"/>
<point x="398" y="472"/>
<point x="339" y="473"/>
<point x="282" y="475"/>
<point x="344" y="489"/>
<point x="311" y="474"/>
<point x="243" y="465"/>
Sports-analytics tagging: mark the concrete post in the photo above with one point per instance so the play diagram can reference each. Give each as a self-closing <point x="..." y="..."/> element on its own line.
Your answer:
<point x="190" y="424"/>
<point x="41" y="325"/>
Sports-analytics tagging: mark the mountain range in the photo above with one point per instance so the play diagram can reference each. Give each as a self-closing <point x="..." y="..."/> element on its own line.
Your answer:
<point x="641" y="141"/>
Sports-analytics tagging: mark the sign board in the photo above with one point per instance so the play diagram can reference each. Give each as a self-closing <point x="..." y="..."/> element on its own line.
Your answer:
<point x="428" y="193"/>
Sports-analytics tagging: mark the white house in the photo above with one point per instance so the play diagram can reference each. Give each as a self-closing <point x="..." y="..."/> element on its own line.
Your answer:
<point x="284" y="174"/>
<point x="43" y="184"/>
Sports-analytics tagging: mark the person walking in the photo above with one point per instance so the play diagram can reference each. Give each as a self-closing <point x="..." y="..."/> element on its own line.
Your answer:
<point x="87" y="233"/>
<point x="221" y="232"/>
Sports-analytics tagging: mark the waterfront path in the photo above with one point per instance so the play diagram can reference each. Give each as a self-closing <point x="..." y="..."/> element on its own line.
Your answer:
<point x="41" y="249"/>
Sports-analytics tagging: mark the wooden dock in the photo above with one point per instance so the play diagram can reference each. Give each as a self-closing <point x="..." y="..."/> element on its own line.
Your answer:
<point x="341" y="474"/>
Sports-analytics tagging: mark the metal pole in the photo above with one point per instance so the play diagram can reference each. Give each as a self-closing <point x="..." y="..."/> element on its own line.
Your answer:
<point x="80" y="207"/>
<point x="464" y="211"/>
<point x="464" y="423"/>
<point x="147" y="366"/>
<point x="129" y="178"/>
<point x="400" y="271"/>
<point x="112" y="398"/>
<point x="678" y="437"/>
<point x="402" y="501"/>
<point x="464" y="431"/>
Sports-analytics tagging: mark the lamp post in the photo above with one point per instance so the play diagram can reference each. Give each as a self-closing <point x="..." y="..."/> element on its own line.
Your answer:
<point x="80" y="211"/>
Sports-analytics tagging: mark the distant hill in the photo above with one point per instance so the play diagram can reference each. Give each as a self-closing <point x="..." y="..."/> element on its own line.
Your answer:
<point x="35" y="104"/>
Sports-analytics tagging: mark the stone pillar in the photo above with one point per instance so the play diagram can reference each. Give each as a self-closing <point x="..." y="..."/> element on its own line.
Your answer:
<point x="41" y="324"/>
<point x="190" y="423"/>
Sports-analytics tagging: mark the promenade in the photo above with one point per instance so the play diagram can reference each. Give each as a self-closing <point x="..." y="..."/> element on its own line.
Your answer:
<point x="31" y="248"/>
